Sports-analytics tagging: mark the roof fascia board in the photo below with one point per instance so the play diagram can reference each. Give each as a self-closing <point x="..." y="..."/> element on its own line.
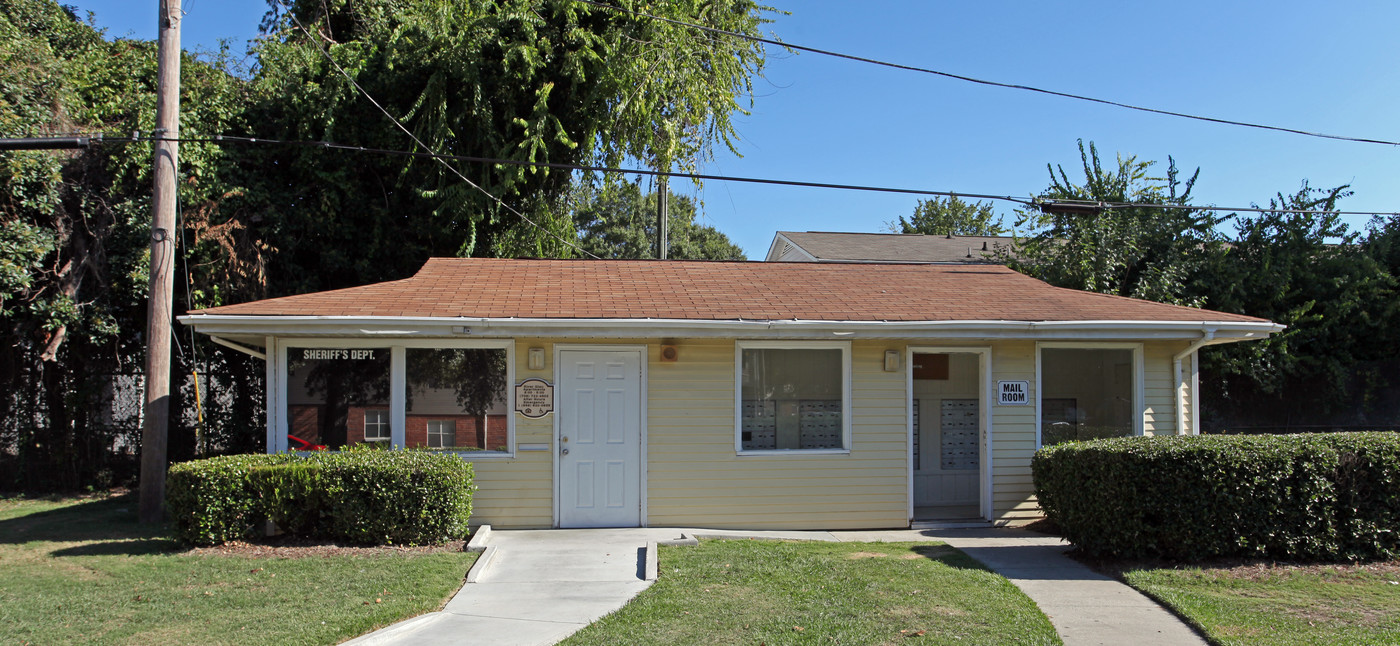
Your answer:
<point x="645" y="328"/>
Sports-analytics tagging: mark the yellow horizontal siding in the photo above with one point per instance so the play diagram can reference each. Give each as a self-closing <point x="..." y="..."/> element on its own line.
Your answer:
<point x="695" y="478"/>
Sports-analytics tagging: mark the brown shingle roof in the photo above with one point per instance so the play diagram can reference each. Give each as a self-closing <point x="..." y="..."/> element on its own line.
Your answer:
<point x="827" y="246"/>
<point x="717" y="291"/>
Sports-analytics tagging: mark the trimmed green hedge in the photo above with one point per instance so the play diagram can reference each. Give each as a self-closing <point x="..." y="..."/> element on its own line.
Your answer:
<point x="368" y="497"/>
<point x="1296" y="497"/>
<point x="213" y="501"/>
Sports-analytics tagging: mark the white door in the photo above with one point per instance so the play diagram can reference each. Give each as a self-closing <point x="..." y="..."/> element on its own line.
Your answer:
<point x="600" y="432"/>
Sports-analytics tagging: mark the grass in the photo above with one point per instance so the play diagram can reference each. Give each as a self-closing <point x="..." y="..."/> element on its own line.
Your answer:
<point x="765" y="592"/>
<point x="83" y="571"/>
<point x="1281" y="605"/>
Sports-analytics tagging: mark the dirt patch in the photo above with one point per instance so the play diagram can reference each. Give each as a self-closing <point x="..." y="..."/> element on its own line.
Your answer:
<point x="866" y="555"/>
<point x="1043" y="526"/>
<point x="296" y="547"/>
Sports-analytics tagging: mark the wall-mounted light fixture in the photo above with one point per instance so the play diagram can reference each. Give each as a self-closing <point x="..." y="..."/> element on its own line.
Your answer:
<point x="536" y="358"/>
<point x="891" y="360"/>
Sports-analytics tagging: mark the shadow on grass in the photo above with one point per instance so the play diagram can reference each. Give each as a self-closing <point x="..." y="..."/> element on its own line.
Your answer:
<point x="108" y="526"/>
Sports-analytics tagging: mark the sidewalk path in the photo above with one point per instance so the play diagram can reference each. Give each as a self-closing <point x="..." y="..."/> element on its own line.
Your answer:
<point x="1086" y="608"/>
<point x="544" y="585"/>
<point x="539" y="587"/>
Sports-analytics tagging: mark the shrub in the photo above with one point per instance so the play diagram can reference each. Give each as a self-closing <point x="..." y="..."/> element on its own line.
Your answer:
<point x="406" y="497"/>
<point x="212" y="501"/>
<point x="360" y="496"/>
<point x="1297" y="497"/>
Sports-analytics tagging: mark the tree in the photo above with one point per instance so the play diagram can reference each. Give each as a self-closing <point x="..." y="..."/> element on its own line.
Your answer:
<point x="618" y="221"/>
<point x="550" y="81"/>
<point x="950" y="217"/>
<point x="1333" y="290"/>
<point x="1152" y="253"/>
<point x="75" y="231"/>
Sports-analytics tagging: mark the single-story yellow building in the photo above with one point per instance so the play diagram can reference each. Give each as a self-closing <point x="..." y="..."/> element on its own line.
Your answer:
<point x="618" y="393"/>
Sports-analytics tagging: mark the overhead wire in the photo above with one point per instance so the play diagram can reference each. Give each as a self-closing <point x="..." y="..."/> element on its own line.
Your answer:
<point x="970" y="79"/>
<point x="1037" y="202"/>
<point x="441" y="160"/>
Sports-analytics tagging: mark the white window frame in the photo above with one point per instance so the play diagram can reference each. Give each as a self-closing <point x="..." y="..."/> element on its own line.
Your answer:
<point x="1139" y="379"/>
<point x="846" y="413"/>
<point x="379" y="422"/>
<point x="398" y="383"/>
<point x="442" y="443"/>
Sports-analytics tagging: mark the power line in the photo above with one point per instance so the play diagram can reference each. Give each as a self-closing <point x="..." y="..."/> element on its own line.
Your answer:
<point x="312" y="39"/>
<point x="969" y="79"/>
<point x="1084" y="206"/>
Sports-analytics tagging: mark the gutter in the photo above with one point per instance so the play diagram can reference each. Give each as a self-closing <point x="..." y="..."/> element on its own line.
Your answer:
<point x="385" y="326"/>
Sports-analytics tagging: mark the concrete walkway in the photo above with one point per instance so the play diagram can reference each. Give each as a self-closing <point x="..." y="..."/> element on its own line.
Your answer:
<point x="536" y="587"/>
<point x="1085" y="607"/>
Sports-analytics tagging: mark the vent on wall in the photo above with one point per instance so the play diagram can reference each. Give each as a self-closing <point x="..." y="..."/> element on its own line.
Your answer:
<point x="669" y="353"/>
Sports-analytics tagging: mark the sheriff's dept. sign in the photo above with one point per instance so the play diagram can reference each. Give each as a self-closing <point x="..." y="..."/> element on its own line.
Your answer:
<point x="534" y="398"/>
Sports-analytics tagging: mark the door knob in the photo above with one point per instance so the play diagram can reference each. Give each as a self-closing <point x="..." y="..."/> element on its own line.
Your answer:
<point x="563" y="451"/>
<point x="564" y="439"/>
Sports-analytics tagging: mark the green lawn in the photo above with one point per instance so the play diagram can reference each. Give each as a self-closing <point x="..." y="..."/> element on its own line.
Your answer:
<point x="83" y="571"/>
<point x="1280" y="605"/>
<point x="766" y="592"/>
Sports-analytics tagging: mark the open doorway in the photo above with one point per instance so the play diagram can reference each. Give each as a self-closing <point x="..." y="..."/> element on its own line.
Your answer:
<point x="946" y="435"/>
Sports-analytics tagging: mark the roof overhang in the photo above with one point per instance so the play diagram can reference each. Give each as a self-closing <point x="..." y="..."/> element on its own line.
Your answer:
<point x="253" y="330"/>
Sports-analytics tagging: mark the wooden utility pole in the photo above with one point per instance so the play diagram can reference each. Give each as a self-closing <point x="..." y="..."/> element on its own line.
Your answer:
<point x="662" y="244"/>
<point x="156" y="419"/>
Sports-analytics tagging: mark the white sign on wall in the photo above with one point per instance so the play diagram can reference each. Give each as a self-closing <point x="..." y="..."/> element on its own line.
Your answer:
<point x="1013" y="393"/>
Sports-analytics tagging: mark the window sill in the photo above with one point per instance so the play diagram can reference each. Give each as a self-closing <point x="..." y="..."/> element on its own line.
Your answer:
<point x="792" y="452"/>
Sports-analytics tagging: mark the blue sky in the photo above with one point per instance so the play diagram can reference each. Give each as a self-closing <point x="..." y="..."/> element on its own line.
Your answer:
<point x="1326" y="67"/>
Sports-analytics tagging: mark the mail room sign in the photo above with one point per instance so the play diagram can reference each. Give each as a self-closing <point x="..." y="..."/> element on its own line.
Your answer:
<point x="1013" y="393"/>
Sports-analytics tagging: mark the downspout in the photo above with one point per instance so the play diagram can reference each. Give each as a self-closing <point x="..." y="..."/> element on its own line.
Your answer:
<point x="1206" y="338"/>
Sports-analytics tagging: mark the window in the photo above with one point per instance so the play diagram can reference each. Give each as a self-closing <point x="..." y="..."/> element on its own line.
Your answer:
<point x="376" y="426"/>
<point x="442" y="434"/>
<point x="458" y="397"/>
<point x="447" y="394"/>
<point x="1087" y="393"/>
<point x="330" y="390"/>
<point x="793" y="397"/>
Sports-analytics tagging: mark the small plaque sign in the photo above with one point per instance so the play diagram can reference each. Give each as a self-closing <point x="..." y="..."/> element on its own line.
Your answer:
<point x="534" y="398"/>
<point x="1014" y="393"/>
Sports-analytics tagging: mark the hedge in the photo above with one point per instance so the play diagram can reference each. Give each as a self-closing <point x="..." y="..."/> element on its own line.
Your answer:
<point x="366" y="497"/>
<point x="1293" y="497"/>
<point x="213" y="501"/>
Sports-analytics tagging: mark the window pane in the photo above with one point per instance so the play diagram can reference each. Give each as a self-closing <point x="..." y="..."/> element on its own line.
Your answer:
<point x="1085" y="394"/>
<point x="377" y="426"/>
<point x="791" y="399"/>
<point x="329" y="393"/>
<point x="457" y="399"/>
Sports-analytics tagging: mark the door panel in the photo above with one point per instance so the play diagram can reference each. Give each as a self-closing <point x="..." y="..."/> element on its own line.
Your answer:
<point x="600" y="428"/>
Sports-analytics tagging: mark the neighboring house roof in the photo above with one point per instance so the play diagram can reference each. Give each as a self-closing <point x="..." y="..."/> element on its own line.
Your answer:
<point x="829" y="246"/>
<point x="699" y="294"/>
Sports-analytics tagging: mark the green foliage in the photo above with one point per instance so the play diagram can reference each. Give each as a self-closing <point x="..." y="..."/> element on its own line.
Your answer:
<point x="1296" y="497"/>
<point x="1149" y="253"/>
<point x="1309" y="272"/>
<point x="617" y="220"/>
<point x="360" y="496"/>
<point x="526" y="80"/>
<point x="529" y="80"/>
<point x="214" y="500"/>
<point x="74" y="235"/>
<point x="950" y="217"/>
